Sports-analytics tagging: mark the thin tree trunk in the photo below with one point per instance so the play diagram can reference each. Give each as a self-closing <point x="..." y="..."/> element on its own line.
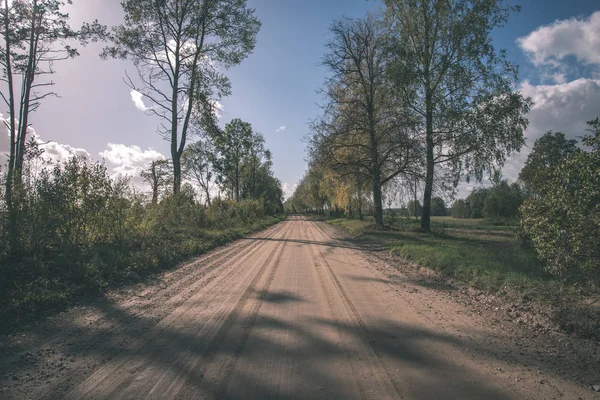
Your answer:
<point x="12" y="217"/>
<point x="426" y="217"/>
<point x="237" y="183"/>
<point x="377" y="204"/>
<point x="176" y="173"/>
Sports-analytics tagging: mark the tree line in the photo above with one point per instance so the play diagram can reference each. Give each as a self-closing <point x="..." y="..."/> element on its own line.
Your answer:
<point x="417" y="99"/>
<point x="417" y="94"/>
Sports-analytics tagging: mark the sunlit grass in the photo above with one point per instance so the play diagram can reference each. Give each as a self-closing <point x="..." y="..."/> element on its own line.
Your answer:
<point x="483" y="253"/>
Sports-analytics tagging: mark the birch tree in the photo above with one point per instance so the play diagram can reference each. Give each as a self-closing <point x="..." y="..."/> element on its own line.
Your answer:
<point x="445" y="66"/>
<point x="178" y="48"/>
<point x="34" y="36"/>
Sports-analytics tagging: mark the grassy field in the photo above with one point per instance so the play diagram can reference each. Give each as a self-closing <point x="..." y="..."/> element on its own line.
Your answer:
<point x="477" y="251"/>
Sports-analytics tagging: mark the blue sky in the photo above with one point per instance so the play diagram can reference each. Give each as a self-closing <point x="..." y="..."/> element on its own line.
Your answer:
<point x="277" y="85"/>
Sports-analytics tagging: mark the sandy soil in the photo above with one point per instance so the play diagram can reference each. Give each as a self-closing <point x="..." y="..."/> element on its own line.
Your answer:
<point x="296" y="311"/>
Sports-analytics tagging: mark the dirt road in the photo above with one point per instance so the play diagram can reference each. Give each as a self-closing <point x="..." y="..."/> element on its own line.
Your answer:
<point x="290" y="313"/>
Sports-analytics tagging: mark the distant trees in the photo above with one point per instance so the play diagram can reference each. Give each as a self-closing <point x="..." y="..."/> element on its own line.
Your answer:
<point x="563" y="218"/>
<point x="177" y="47"/>
<point x="503" y="201"/>
<point x="447" y="70"/>
<point x="500" y="201"/>
<point x="438" y="207"/>
<point x="232" y="147"/>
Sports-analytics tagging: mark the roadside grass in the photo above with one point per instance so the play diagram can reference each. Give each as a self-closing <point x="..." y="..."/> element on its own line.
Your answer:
<point x="488" y="256"/>
<point x="482" y="253"/>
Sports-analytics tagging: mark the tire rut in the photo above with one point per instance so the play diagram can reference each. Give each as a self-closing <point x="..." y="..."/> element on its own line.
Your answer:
<point x="216" y="320"/>
<point x="369" y="387"/>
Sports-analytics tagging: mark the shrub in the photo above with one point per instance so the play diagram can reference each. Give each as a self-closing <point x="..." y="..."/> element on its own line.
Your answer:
<point x="564" y="219"/>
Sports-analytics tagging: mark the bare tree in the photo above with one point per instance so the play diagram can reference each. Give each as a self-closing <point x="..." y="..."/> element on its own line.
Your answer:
<point x="178" y="47"/>
<point x="447" y="70"/>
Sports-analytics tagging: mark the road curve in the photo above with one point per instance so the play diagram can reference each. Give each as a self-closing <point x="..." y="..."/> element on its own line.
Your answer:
<point x="294" y="313"/>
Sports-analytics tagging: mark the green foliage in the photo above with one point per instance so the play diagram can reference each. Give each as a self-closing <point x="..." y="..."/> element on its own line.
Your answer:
<point x="178" y="49"/>
<point x="461" y="209"/>
<point x="548" y="151"/>
<point x="503" y="201"/>
<point x="563" y="219"/>
<point x="476" y="201"/>
<point x="80" y="230"/>
<point x="445" y="66"/>
<point x="414" y="208"/>
<point x="438" y="207"/>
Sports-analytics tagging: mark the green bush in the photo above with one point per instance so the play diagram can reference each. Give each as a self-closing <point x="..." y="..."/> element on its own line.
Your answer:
<point x="79" y="230"/>
<point x="563" y="220"/>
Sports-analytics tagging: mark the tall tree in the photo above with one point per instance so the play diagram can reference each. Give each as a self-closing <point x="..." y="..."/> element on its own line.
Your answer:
<point x="362" y="116"/>
<point x="548" y="152"/>
<point x="35" y="35"/>
<point x="254" y="161"/>
<point x="232" y="145"/>
<point x="447" y="68"/>
<point x="198" y="165"/>
<point x="178" y="47"/>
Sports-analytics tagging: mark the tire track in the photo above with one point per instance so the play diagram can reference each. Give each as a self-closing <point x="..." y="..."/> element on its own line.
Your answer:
<point x="179" y="313"/>
<point x="230" y="316"/>
<point x="383" y="378"/>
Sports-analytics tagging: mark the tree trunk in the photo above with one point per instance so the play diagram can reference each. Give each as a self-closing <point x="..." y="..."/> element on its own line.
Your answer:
<point x="377" y="205"/>
<point x="155" y="192"/>
<point x="426" y="217"/>
<point x="12" y="217"/>
<point x="237" y="183"/>
<point x="176" y="172"/>
<point x="207" y="196"/>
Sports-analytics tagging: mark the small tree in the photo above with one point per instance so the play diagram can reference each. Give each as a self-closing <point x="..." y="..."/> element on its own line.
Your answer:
<point x="414" y="208"/>
<point x="460" y="209"/>
<point x="158" y="176"/>
<point x="503" y="201"/>
<point x="438" y="207"/>
<point x="197" y="162"/>
<point x="476" y="202"/>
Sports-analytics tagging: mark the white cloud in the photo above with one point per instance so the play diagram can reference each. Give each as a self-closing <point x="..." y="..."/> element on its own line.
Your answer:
<point x="563" y="107"/>
<point x="53" y="152"/>
<point x="57" y="152"/>
<point x="217" y="108"/>
<point x="138" y="100"/>
<point x="288" y="190"/>
<point x="129" y="161"/>
<point x="551" y="44"/>
<point x="280" y="129"/>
